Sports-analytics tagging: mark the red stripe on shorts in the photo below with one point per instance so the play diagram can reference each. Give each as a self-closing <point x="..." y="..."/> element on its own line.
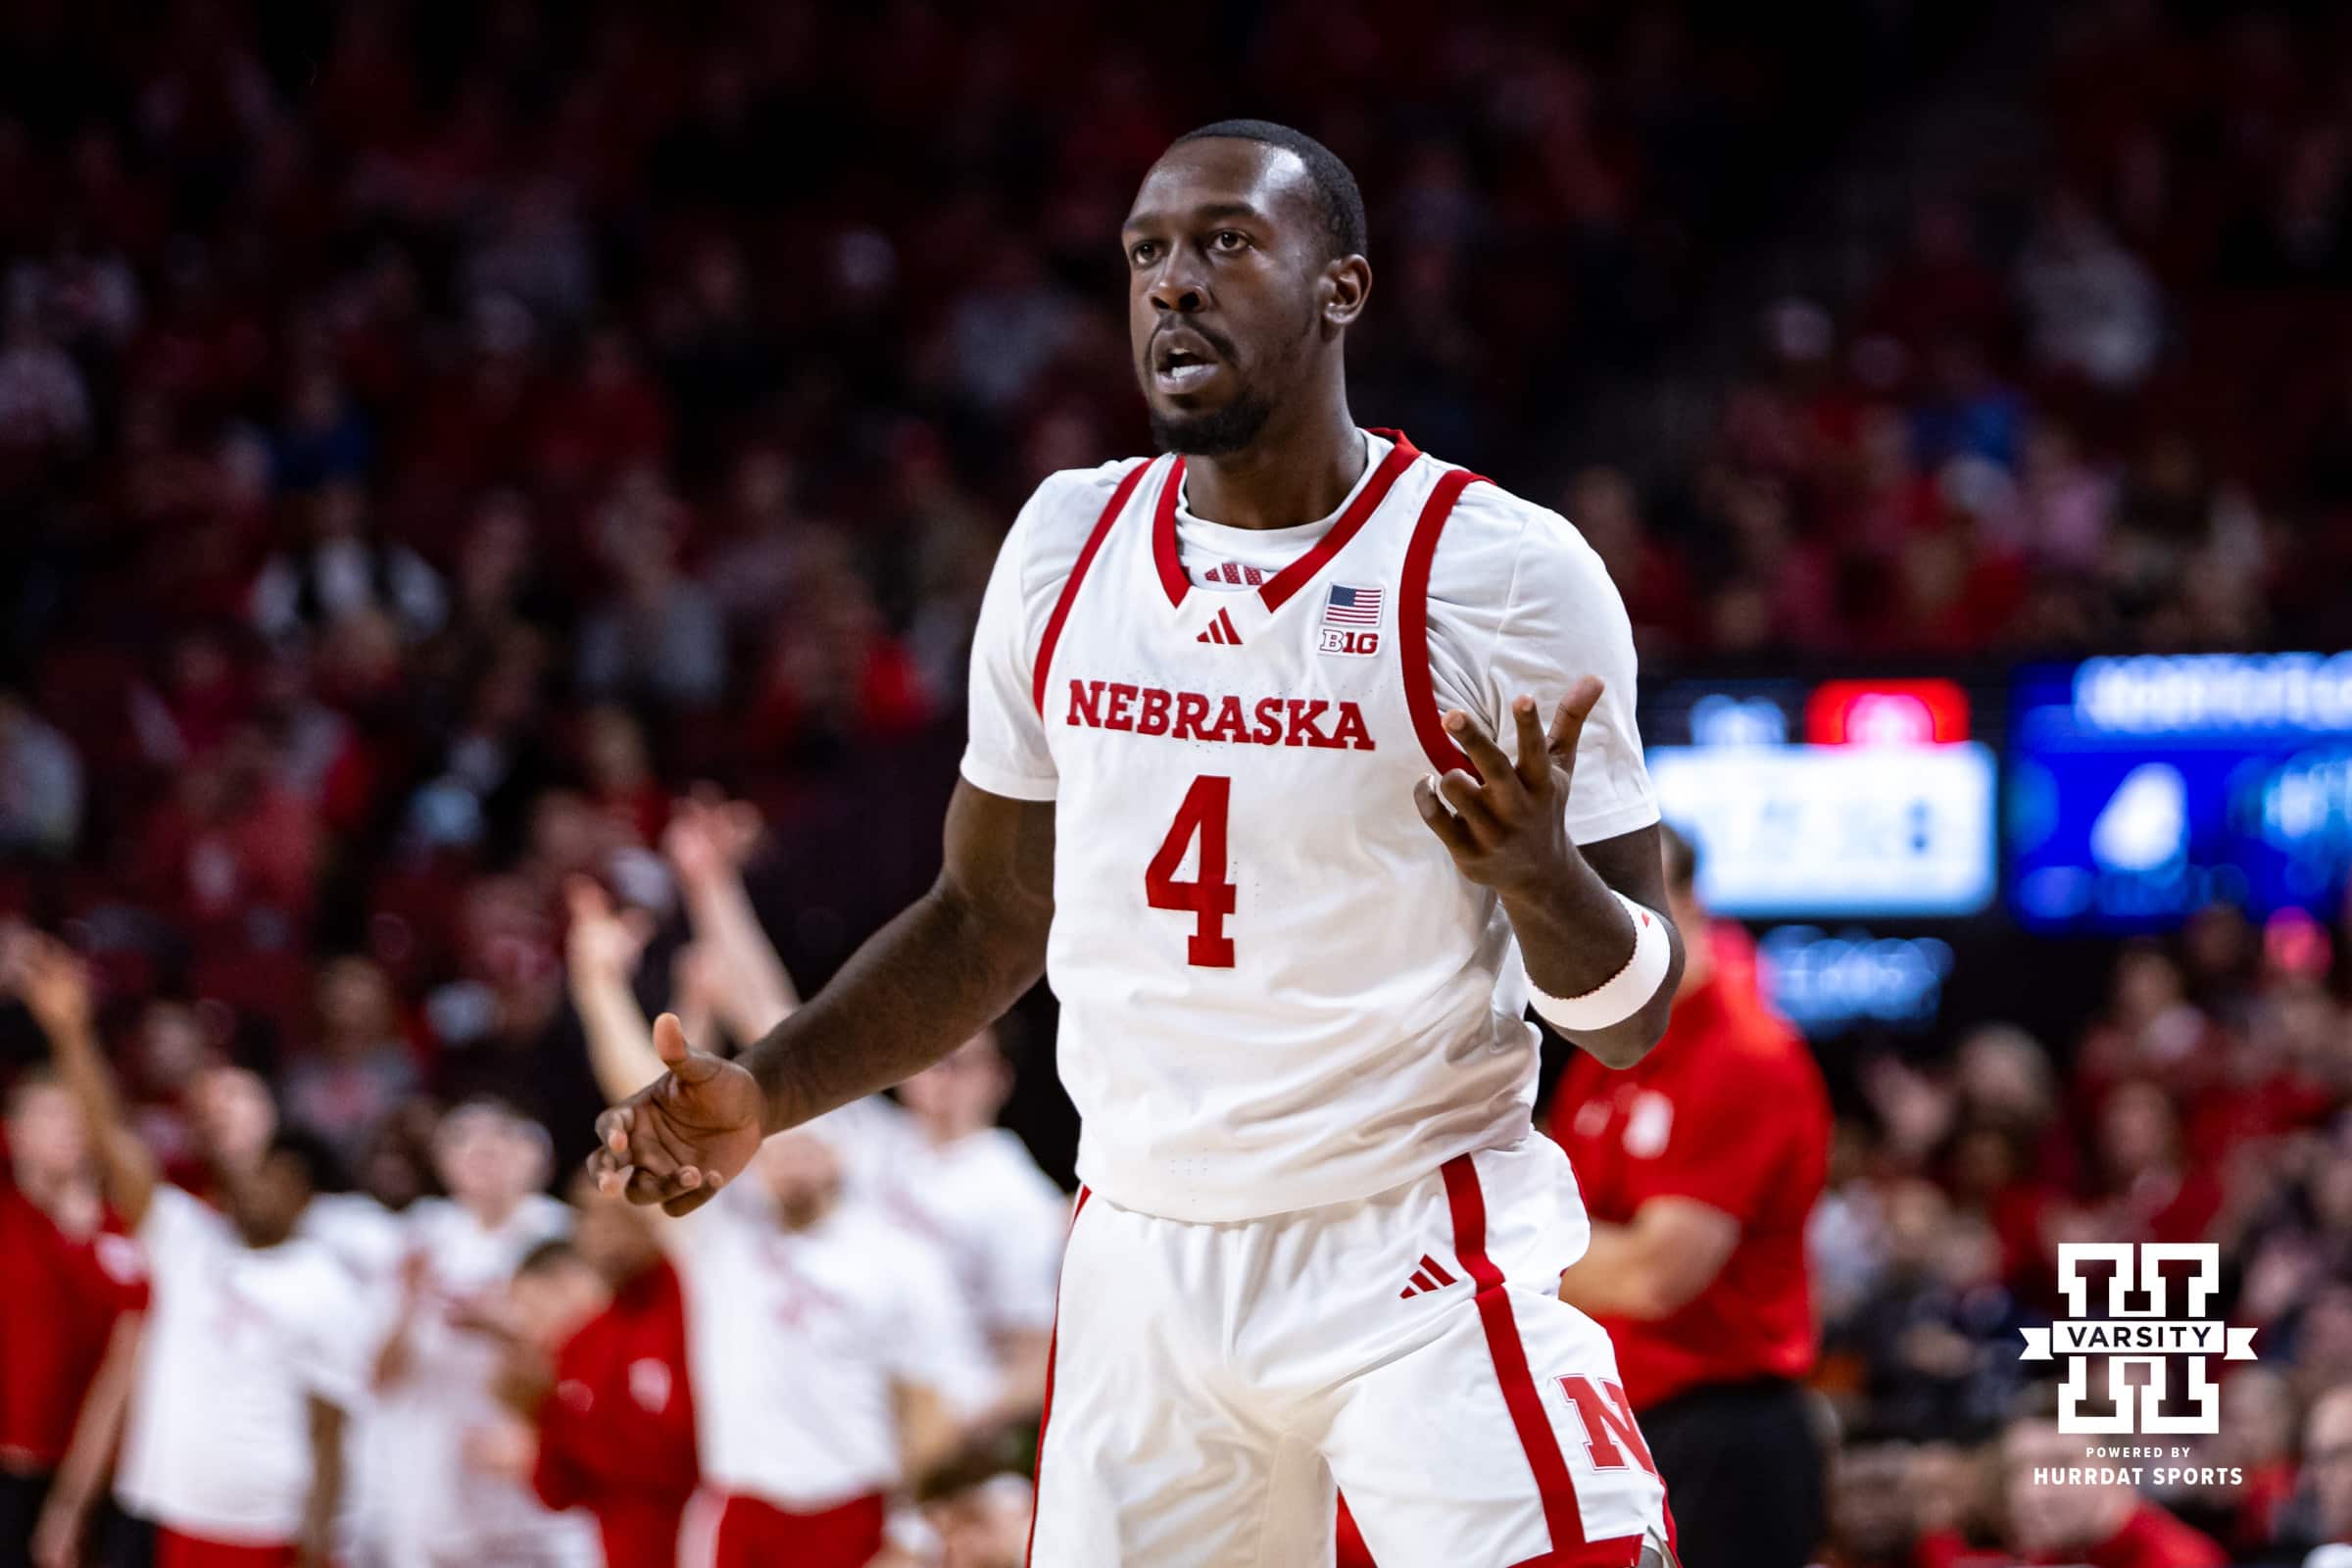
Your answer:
<point x="1561" y="1516"/>
<point x="1045" y="1415"/>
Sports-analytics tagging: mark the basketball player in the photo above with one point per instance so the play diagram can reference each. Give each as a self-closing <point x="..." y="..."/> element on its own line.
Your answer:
<point x="234" y="1446"/>
<point x="1241" y="781"/>
<point x="431" y="1506"/>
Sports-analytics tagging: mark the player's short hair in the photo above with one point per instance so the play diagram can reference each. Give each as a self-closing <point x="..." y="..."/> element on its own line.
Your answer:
<point x="321" y="1166"/>
<point x="39" y="1075"/>
<point x="1682" y="859"/>
<point x="1336" y="194"/>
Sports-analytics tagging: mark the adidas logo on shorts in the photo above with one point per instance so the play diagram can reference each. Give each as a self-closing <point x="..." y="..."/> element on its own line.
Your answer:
<point x="1430" y="1276"/>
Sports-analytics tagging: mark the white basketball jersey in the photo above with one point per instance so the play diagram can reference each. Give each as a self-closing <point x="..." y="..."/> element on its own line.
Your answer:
<point x="1277" y="991"/>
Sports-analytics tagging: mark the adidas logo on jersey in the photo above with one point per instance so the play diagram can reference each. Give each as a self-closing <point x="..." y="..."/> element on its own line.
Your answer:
<point x="1221" y="631"/>
<point x="1430" y="1276"/>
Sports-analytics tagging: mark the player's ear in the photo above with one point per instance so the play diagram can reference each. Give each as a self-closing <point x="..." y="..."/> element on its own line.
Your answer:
<point x="1345" y="284"/>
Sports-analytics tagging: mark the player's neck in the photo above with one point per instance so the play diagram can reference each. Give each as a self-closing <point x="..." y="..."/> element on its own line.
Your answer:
<point x="492" y="1211"/>
<point x="1297" y="471"/>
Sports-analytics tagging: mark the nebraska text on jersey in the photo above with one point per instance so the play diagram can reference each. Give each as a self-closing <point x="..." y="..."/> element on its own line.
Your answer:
<point x="1195" y="716"/>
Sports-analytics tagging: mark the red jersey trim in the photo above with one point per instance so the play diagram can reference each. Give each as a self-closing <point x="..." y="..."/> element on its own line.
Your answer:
<point x="1044" y="1414"/>
<point x="1561" y="1516"/>
<point x="1412" y="625"/>
<point x="1069" y="587"/>
<point x="1299" y="573"/>
<point x="1295" y="576"/>
<point x="1164" y="536"/>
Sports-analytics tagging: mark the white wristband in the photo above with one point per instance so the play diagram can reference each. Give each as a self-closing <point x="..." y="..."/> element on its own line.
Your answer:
<point x="1624" y="993"/>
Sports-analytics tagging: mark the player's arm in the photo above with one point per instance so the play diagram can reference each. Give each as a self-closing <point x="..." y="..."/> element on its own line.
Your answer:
<point x="706" y="843"/>
<point x="946" y="966"/>
<point x="1657" y="1264"/>
<point x="1508" y="829"/>
<point x="57" y="1538"/>
<point x="945" y="969"/>
<point x="928" y="1433"/>
<point x="316" y="1545"/>
<point x="949" y="964"/>
<point x="601" y="949"/>
<point x="55" y="988"/>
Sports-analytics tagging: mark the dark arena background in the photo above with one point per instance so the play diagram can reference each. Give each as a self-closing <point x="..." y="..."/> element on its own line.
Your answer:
<point x="454" y="453"/>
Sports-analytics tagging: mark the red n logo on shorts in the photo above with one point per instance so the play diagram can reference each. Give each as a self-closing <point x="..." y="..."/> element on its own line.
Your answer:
<point x="1608" y="1422"/>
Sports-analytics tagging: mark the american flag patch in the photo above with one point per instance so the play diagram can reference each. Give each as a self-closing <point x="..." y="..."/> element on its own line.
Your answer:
<point x="1352" y="607"/>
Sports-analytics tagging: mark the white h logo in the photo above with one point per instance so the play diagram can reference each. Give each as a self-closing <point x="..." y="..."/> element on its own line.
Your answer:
<point x="2144" y="1338"/>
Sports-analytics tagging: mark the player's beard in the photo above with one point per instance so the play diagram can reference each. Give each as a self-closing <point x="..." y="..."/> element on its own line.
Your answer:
<point x="1215" y="433"/>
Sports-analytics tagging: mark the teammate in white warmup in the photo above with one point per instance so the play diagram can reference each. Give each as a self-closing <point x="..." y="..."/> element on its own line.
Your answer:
<point x="1239" y="782"/>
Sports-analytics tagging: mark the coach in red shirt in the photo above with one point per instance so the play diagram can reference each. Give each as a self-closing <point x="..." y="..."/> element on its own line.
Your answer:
<point x="67" y="1281"/>
<point x="1699" y="1166"/>
<point x="616" y="1428"/>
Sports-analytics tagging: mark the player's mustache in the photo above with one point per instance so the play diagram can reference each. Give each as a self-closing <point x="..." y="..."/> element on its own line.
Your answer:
<point x="1208" y="335"/>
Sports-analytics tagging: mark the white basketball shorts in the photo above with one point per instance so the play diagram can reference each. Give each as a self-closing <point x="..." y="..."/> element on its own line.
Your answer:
<point x="1212" y="1386"/>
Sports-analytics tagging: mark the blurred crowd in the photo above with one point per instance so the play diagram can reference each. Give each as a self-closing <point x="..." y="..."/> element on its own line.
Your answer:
<point x="2209" y="1101"/>
<point x="2093" y="395"/>
<point x="435" y="438"/>
<point x="216" y="1351"/>
<point x="431" y="437"/>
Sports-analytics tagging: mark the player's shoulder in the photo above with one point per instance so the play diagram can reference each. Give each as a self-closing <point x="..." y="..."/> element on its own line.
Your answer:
<point x="544" y="1216"/>
<point x="1071" y="500"/>
<point x="314" y="1277"/>
<point x="175" y="1216"/>
<point x="1495" y="537"/>
<point x="436" y="1225"/>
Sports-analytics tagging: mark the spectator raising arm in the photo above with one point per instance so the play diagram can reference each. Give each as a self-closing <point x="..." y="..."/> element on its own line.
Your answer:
<point x="946" y="967"/>
<point x="316" y="1545"/>
<point x="706" y="843"/>
<point x="602" y="953"/>
<point x="55" y="988"/>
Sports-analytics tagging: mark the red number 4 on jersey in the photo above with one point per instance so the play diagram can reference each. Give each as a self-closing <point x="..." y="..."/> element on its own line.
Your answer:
<point x="1208" y="895"/>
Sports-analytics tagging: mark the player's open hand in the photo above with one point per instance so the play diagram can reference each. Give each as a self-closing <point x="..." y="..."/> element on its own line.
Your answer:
<point x="50" y="979"/>
<point x="710" y="837"/>
<point x="680" y="1138"/>
<point x="1507" y="828"/>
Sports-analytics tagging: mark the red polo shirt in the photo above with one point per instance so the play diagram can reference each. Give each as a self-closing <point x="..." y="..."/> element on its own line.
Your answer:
<point x="1729" y="1110"/>
<point x="2150" y="1538"/>
<point x="616" y="1433"/>
<point x="64" y="1293"/>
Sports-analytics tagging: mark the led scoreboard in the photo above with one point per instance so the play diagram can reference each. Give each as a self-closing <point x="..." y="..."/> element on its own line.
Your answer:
<point x="2145" y="787"/>
<point x="1847" y="798"/>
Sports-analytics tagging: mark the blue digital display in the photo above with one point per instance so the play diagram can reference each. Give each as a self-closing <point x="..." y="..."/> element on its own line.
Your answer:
<point x="2141" y="788"/>
<point x="1826" y="983"/>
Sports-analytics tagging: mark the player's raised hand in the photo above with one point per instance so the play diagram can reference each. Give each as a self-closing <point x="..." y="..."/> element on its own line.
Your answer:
<point x="601" y="939"/>
<point x="1507" y="826"/>
<point x="711" y="836"/>
<point x="680" y="1138"/>
<point x="51" y="980"/>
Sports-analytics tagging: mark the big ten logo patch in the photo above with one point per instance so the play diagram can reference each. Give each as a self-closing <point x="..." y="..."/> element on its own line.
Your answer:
<point x="2130" y="1352"/>
<point x="1345" y="640"/>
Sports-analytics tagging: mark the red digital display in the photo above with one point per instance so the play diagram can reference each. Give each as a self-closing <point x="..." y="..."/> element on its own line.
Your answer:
<point x="1886" y="713"/>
